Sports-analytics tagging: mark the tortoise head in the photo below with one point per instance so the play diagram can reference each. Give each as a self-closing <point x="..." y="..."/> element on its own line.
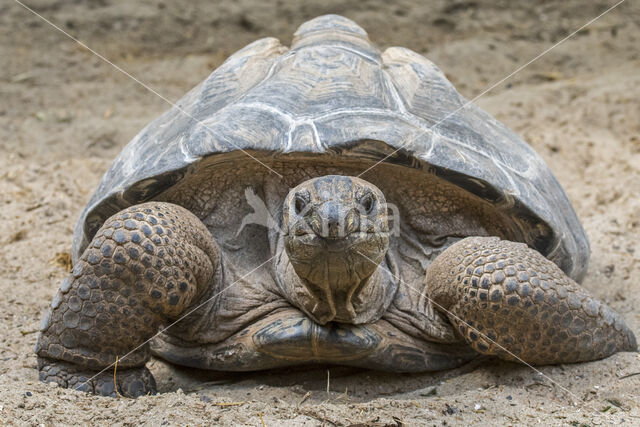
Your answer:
<point x="336" y="232"/>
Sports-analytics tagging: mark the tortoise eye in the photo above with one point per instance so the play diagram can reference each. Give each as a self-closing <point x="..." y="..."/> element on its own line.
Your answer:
<point x="299" y="205"/>
<point x="367" y="203"/>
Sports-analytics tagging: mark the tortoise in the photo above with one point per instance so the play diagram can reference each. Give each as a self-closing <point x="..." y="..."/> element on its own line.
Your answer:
<point x="326" y="203"/>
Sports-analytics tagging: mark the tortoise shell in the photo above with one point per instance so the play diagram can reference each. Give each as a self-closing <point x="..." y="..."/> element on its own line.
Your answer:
<point x="334" y="97"/>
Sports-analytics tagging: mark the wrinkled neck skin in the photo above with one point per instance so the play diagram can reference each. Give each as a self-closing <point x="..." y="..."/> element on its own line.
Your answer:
<point x="332" y="260"/>
<point x="333" y="298"/>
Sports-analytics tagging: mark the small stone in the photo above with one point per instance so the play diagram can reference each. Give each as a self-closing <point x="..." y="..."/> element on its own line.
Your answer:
<point x="29" y="394"/>
<point x="450" y="410"/>
<point x="431" y="391"/>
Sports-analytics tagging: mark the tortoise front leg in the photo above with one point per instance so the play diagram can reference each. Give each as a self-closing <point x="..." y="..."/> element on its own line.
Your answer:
<point x="515" y="297"/>
<point x="144" y="267"/>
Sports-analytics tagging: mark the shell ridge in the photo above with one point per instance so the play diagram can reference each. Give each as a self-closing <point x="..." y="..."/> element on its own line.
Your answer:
<point x="292" y="128"/>
<point x="353" y="51"/>
<point x="185" y="151"/>
<point x="287" y="53"/>
<point x="317" y="141"/>
<point x="397" y="99"/>
<point x="266" y="107"/>
<point x="316" y="137"/>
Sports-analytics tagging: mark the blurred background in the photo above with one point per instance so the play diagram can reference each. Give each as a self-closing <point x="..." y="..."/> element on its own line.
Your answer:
<point x="47" y="81"/>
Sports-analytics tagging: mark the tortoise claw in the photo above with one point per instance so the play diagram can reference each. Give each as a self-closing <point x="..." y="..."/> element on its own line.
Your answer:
<point x="132" y="382"/>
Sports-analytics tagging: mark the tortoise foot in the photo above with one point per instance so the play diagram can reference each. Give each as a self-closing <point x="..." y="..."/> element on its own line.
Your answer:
<point x="143" y="268"/>
<point x="131" y="382"/>
<point x="508" y="300"/>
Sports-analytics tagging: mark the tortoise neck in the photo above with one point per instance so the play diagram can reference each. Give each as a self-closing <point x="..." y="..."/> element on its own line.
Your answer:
<point x="355" y="301"/>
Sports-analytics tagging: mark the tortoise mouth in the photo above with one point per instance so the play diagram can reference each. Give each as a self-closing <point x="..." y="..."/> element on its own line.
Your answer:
<point x="336" y="244"/>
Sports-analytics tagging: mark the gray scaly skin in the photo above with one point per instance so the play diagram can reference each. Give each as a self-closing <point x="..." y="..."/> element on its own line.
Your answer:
<point x="150" y="263"/>
<point x="144" y="267"/>
<point x="507" y="300"/>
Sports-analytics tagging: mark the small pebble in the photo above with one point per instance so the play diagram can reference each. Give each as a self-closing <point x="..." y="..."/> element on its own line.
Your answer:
<point x="450" y="410"/>
<point x="29" y="394"/>
<point x="431" y="391"/>
<point x="509" y="397"/>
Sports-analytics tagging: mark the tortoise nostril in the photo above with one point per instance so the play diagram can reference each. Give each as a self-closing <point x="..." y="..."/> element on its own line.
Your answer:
<point x="334" y="229"/>
<point x="334" y="221"/>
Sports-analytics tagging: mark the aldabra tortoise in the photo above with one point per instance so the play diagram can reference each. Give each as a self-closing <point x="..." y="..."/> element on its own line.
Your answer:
<point x="405" y="230"/>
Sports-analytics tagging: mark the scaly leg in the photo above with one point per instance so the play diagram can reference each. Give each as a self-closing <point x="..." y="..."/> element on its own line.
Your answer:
<point x="523" y="302"/>
<point x="145" y="266"/>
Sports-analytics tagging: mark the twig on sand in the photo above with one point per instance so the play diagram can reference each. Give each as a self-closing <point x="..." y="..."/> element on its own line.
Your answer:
<point x="115" y="383"/>
<point x="261" y="419"/>
<point x="328" y="383"/>
<point x="312" y="413"/>
<point x="633" y="374"/>
<point x="304" y="398"/>
<point x="225" y="404"/>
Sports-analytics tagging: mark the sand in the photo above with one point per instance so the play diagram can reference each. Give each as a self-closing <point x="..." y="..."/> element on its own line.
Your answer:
<point x="65" y="114"/>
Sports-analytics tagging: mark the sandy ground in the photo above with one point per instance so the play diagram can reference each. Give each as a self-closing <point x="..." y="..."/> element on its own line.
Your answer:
<point x="64" y="115"/>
